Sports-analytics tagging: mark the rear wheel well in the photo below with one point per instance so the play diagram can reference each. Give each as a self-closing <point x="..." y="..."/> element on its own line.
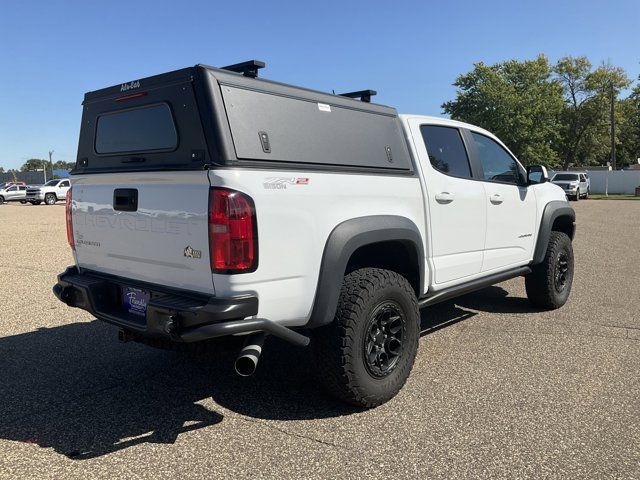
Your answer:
<point x="564" y="224"/>
<point x="397" y="256"/>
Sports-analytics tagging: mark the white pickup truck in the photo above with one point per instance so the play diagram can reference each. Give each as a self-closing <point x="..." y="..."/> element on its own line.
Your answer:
<point x="49" y="193"/>
<point x="207" y="202"/>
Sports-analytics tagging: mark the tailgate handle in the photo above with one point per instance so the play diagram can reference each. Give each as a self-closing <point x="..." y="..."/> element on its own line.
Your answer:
<point x="125" y="199"/>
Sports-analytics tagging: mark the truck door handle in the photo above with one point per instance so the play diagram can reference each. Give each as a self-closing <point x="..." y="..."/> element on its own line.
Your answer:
<point x="496" y="199"/>
<point x="444" y="197"/>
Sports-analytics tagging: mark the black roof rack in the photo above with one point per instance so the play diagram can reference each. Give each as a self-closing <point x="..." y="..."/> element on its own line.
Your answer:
<point x="363" y="95"/>
<point x="248" y="69"/>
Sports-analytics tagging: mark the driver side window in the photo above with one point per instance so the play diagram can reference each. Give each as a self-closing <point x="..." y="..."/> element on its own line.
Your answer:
<point x="497" y="164"/>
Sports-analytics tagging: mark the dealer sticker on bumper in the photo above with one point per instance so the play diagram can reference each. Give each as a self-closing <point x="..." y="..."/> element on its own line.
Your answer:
<point x="135" y="301"/>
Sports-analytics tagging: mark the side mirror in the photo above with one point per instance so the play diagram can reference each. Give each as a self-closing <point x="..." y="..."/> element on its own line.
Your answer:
<point x="537" y="174"/>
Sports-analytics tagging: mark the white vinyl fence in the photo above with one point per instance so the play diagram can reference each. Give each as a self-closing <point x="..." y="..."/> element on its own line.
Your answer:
<point x="620" y="181"/>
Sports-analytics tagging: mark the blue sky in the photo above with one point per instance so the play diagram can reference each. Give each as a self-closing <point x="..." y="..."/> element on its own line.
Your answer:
<point x="410" y="52"/>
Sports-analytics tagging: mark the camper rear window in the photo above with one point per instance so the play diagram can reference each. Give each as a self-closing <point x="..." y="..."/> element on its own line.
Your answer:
<point x="144" y="129"/>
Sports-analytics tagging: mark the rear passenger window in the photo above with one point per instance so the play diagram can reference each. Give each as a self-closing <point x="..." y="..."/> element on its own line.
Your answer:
<point x="446" y="150"/>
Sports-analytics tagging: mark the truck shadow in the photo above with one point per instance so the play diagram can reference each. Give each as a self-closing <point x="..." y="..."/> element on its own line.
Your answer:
<point x="495" y="299"/>
<point x="442" y="315"/>
<point x="77" y="390"/>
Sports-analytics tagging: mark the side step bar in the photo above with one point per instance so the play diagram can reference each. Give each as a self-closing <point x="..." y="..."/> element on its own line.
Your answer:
<point x="473" y="285"/>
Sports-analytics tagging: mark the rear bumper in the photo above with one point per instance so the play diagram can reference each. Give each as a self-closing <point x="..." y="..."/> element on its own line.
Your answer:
<point x="173" y="314"/>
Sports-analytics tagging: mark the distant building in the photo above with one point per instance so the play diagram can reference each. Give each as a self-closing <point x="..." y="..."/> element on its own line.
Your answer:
<point x="61" y="173"/>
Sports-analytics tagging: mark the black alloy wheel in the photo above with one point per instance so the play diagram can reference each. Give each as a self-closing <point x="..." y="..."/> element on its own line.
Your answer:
<point x="561" y="273"/>
<point x="383" y="343"/>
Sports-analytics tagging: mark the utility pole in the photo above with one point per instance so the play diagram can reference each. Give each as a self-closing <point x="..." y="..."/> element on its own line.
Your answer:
<point x="613" y="129"/>
<point x="51" y="161"/>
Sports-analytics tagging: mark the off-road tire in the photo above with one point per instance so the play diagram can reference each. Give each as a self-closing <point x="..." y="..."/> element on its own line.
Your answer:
<point x="50" y="199"/>
<point x="542" y="283"/>
<point x="339" y="348"/>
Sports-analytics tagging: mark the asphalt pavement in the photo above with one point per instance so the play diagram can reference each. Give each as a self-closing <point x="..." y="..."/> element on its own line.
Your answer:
<point x="499" y="389"/>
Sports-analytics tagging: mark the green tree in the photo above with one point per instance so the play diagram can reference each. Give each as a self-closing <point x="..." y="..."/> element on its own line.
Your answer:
<point x="629" y="127"/>
<point x="35" y="164"/>
<point x="585" y="120"/>
<point x="62" y="165"/>
<point x="1" y="169"/>
<point x="520" y="102"/>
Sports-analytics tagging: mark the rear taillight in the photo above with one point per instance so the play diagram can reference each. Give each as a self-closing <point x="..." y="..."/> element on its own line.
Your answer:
<point x="69" y="224"/>
<point x="233" y="234"/>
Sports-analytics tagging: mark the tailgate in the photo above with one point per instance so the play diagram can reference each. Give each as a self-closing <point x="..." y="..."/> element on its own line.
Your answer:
<point x="147" y="226"/>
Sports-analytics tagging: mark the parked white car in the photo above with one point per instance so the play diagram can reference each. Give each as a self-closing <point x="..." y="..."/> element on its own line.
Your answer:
<point x="321" y="219"/>
<point x="575" y="184"/>
<point x="49" y="193"/>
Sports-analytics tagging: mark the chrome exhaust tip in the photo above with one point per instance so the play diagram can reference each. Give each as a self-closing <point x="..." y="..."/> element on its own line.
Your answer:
<point x="248" y="358"/>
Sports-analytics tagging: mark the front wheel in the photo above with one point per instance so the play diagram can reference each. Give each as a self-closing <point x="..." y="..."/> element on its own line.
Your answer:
<point x="365" y="355"/>
<point x="1" y="199"/>
<point x="549" y="283"/>
<point x="50" y="199"/>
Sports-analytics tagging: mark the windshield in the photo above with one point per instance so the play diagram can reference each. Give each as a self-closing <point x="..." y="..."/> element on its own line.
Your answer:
<point x="51" y="183"/>
<point x="566" y="176"/>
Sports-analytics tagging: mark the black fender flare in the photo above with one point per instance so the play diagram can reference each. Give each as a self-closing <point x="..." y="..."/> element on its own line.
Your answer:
<point x="343" y="241"/>
<point x="552" y="211"/>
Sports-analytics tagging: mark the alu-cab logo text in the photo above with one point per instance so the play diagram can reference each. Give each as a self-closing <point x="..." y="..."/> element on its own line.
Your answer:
<point x="130" y="86"/>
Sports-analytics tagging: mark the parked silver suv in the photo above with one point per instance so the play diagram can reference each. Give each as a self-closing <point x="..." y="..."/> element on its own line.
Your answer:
<point x="13" y="193"/>
<point x="576" y="185"/>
